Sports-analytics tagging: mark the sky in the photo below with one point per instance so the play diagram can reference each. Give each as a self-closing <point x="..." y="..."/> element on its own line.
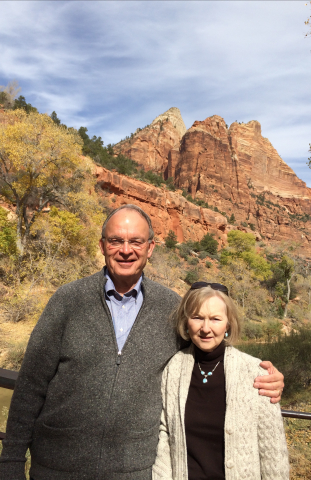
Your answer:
<point x="114" y="66"/>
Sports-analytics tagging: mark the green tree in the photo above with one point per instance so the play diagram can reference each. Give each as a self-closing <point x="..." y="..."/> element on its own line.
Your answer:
<point x="252" y="330"/>
<point x="257" y="264"/>
<point x="209" y="244"/>
<point x="4" y="101"/>
<point x="20" y="103"/>
<point x="55" y="118"/>
<point x="171" y="239"/>
<point x="242" y="246"/>
<point x="285" y="270"/>
<point x="272" y="329"/>
<point x="232" y="219"/>
<point x="241" y="241"/>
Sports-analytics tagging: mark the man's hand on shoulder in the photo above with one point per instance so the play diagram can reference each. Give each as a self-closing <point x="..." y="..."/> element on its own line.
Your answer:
<point x="270" y="385"/>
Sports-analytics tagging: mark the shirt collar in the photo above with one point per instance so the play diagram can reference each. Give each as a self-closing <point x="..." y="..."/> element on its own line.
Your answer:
<point x="111" y="290"/>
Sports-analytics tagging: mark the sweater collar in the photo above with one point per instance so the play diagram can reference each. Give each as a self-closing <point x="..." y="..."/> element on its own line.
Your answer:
<point x="205" y="357"/>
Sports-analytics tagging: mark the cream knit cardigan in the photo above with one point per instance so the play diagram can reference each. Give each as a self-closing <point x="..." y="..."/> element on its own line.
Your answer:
<point x="255" y="445"/>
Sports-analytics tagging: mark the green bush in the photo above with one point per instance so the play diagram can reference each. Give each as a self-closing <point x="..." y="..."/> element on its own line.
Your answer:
<point x="171" y="239"/>
<point x="291" y="355"/>
<point x="208" y="264"/>
<point x="193" y="260"/>
<point x="209" y="244"/>
<point x="252" y="330"/>
<point x="232" y="219"/>
<point x="191" y="277"/>
<point x="203" y="255"/>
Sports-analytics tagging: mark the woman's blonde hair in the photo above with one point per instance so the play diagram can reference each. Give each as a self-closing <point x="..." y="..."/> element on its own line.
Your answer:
<point x="191" y="304"/>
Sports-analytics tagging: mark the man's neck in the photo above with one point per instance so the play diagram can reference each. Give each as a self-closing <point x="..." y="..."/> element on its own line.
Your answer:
<point x="123" y="285"/>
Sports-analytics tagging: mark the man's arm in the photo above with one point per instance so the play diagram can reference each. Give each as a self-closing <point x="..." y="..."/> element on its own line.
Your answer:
<point x="38" y="368"/>
<point x="270" y="385"/>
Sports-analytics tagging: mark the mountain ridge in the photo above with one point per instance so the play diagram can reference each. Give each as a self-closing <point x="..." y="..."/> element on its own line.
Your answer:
<point x="235" y="171"/>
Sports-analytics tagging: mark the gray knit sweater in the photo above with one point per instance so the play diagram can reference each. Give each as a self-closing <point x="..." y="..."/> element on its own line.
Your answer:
<point x="255" y="445"/>
<point x="85" y="412"/>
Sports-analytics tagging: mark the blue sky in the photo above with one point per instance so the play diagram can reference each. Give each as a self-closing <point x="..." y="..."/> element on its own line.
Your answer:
<point x="113" y="66"/>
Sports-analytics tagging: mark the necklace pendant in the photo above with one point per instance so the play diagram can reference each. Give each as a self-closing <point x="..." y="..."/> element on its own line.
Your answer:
<point x="202" y="373"/>
<point x="204" y="380"/>
<point x="210" y="373"/>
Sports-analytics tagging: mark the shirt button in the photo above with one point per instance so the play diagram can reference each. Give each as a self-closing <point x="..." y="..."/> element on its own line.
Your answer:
<point x="123" y="306"/>
<point x="229" y="464"/>
<point x="121" y="329"/>
<point x="229" y="431"/>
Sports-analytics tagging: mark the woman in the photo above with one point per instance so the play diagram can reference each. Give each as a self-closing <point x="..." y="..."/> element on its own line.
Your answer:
<point x="214" y="425"/>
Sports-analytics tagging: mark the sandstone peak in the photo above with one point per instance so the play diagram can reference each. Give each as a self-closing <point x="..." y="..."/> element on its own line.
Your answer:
<point x="150" y="146"/>
<point x="172" y="115"/>
<point x="214" y="125"/>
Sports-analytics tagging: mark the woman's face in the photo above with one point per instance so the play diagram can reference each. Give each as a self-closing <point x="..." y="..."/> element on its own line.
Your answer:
<point x="207" y="329"/>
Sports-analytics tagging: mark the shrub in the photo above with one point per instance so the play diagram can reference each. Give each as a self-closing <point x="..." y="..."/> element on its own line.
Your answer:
<point x="208" y="264"/>
<point x="191" y="277"/>
<point x="171" y="240"/>
<point x="7" y="234"/>
<point x="193" y="260"/>
<point x="291" y="355"/>
<point x="209" y="244"/>
<point x="252" y="330"/>
<point x="14" y="356"/>
<point x="203" y="255"/>
<point x="232" y="220"/>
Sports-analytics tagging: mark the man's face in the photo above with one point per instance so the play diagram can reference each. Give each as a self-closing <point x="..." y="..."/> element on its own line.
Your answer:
<point x="124" y="262"/>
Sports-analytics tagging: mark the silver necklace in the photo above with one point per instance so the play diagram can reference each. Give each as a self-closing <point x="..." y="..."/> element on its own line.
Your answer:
<point x="208" y="374"/>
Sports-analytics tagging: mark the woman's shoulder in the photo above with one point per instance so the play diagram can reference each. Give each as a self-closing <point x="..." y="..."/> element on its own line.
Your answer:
<point x="180" y="357"/>
<point x="243" y="360"/>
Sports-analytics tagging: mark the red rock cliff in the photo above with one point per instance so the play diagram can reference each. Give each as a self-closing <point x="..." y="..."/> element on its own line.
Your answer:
<point x="151" y="145"/>
<point x="236" y="170"/>
<point x="168" y="210"/>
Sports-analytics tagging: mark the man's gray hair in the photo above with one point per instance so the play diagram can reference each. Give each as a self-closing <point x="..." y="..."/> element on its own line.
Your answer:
<point x="137" y="209"/>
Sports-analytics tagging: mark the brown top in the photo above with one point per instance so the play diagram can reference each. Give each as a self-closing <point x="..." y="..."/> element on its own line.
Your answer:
<point x="205" y="417"/>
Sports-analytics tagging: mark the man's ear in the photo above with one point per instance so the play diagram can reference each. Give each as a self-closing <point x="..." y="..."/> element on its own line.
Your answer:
<point x="150" y="248"/>
<point x="101" y="246"/>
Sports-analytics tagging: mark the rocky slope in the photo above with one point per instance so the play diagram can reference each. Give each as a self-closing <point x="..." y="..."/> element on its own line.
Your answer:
<point x="168" y="210"/>
<point x="234" y="170"/>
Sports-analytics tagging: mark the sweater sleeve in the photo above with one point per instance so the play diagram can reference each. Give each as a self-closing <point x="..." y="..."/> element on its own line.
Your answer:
<point x="274" y="461"/>
<point x="162" y="468"/>
<point x="39" y="367"/>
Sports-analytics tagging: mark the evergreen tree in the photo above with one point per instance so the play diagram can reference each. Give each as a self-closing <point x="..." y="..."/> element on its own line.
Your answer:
<point x="20" y="103"/>
<point x="209" y="244"/>
<point x="171" y="240"/>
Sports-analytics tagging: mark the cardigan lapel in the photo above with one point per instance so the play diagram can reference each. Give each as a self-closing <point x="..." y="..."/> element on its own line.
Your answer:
<point x="184" y="384"/>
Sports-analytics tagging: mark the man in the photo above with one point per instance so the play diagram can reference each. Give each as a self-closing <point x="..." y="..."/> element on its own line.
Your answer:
<point x="87" y="400"/>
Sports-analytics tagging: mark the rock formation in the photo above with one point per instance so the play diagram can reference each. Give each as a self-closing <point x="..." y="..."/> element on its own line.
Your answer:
<point x="150" y="146"/>
<point x="233" y="170"/>
<point x="168" y="210"/>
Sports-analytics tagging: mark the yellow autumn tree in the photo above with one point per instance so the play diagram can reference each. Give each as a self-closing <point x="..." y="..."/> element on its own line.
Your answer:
<point x="37" y="160"/>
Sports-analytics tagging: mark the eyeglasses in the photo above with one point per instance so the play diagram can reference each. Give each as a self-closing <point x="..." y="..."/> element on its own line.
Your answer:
<point x="136" y="243"/>
<point x="214" y="286"/>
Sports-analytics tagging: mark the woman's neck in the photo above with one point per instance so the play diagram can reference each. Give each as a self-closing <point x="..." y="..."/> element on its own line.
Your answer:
<point x="216" y="354"/>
